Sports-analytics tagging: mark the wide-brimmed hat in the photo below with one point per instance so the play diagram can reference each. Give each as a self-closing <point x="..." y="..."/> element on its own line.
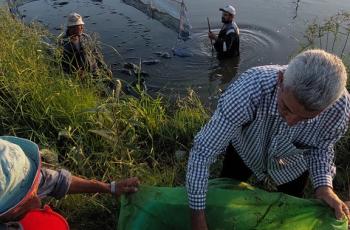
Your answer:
<point x="20" y="166"/>
<point x="74" y="19"/>
<point x="229" y="9"/>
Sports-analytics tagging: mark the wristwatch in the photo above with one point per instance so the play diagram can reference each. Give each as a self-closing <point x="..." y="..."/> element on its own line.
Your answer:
<point x="113" y="187"/>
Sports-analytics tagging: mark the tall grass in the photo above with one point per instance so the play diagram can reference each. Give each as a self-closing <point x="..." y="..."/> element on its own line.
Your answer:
<point x="106" y="138"/>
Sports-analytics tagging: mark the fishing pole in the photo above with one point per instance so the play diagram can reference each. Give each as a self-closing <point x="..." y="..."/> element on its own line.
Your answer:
<point x="211" y="42"/>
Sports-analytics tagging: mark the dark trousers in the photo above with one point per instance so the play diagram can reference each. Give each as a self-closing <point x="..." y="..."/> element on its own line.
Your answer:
<point x="234" y="167"/>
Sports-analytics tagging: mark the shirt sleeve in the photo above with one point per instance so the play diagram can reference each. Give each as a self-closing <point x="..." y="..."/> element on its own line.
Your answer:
<point x="236" y="107"/>
<point x="54" y="183"/>
<point x="320" y="159"/>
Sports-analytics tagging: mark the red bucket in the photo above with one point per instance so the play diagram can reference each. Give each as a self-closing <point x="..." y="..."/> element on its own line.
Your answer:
<point x="44" y="219"/>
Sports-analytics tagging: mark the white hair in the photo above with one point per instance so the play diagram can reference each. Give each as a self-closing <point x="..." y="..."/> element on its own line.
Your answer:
<point x="316" y="78"/>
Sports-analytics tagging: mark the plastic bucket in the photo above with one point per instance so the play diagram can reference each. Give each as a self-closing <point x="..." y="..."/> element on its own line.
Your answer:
<point x="44" y="219"/>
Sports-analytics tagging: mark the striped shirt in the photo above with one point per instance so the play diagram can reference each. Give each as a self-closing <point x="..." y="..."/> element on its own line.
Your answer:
<point x="247" y="116"/>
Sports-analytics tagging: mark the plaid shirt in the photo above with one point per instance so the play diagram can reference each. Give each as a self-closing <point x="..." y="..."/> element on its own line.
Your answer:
<point x="247" y="116"/>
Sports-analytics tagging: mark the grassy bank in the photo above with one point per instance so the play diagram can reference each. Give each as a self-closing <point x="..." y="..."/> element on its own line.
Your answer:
<point x="106" y="138"/>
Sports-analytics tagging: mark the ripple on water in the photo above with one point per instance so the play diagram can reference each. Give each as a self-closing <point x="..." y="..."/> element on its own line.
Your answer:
<point x="202" y="71"/>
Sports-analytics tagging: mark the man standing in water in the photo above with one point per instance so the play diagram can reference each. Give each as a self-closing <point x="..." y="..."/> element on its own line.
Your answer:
<point x="279" y="123"/>
<point x="227" y="42"/>
<point x="80" y="53"/>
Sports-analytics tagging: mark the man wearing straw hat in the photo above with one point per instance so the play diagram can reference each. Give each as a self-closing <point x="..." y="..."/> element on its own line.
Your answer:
<point x="23" y="183"/>
<point x="80" y="53"/>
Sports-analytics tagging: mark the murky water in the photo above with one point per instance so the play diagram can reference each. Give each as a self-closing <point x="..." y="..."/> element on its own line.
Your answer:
<point x="270" y="33"/>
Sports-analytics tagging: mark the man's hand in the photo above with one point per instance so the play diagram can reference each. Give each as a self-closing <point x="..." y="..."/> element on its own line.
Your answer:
<point x="198" y="220"/>
<point x="212" y="36"/>
<point x="327" y="194"/>
<point x="126" y="186"/>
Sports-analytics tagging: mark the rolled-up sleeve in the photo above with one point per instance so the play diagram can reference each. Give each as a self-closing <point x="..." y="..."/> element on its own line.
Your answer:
<point x="236" y="107"/>
<point x="54" y="183"/>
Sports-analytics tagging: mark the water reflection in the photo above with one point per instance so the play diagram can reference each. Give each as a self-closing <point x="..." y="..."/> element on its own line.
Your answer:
<point x="225" y="71"/>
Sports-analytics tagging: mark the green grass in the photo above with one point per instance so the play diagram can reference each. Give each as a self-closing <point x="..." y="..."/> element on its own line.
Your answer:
<point x="106" y="138"/>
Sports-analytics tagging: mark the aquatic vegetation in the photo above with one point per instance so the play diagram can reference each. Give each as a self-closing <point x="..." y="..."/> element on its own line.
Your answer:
<point x="331" y="35"/>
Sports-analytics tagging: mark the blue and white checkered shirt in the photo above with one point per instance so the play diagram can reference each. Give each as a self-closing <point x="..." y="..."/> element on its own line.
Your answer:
<point x="247" y="116"/>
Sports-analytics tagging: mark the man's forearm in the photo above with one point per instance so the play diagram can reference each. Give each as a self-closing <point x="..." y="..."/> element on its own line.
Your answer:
<point x="80" y="185"/>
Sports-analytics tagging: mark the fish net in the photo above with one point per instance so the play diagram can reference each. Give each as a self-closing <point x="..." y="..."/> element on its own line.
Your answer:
<point x="230" y="205"/>
<point x="171" y="13"/>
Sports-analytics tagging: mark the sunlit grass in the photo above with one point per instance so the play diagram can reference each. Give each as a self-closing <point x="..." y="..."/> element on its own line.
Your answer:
<point x="106" y="138"/>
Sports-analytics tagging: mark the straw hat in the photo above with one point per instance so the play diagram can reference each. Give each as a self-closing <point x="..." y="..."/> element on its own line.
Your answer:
<point x="74" y="19"/>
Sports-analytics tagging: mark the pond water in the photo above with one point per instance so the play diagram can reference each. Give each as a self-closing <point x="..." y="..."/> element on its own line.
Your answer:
<point x="271" y="31"/>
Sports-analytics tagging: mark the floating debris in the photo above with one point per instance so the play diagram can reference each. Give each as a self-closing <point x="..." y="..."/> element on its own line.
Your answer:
<point x="125" y="71"/>
<point x="151" y="62"/>
<point x="182" y="52"/>
<point x="131" y="66"/>
<point x="165" y="55"/>
<point x="61" y="3"/>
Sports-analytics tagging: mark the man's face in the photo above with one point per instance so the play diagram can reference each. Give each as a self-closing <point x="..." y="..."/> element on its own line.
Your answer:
<point x="226" y="17"/>
<point x="75" y="30"/>
<point x="289" y="107"/>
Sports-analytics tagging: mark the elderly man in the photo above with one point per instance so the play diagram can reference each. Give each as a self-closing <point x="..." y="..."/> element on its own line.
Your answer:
<point x="279" y="123"/>
<point x="23" y="183"/>
<point x="227" y="42"/>
<point x="80" y="53"/>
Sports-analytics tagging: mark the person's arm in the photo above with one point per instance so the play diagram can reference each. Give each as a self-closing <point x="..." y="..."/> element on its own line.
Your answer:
<point x="59" y="183"/>
<point x="321" y="166"/>
<point x="81" y="185"/>
<point x="236" y="107"/>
